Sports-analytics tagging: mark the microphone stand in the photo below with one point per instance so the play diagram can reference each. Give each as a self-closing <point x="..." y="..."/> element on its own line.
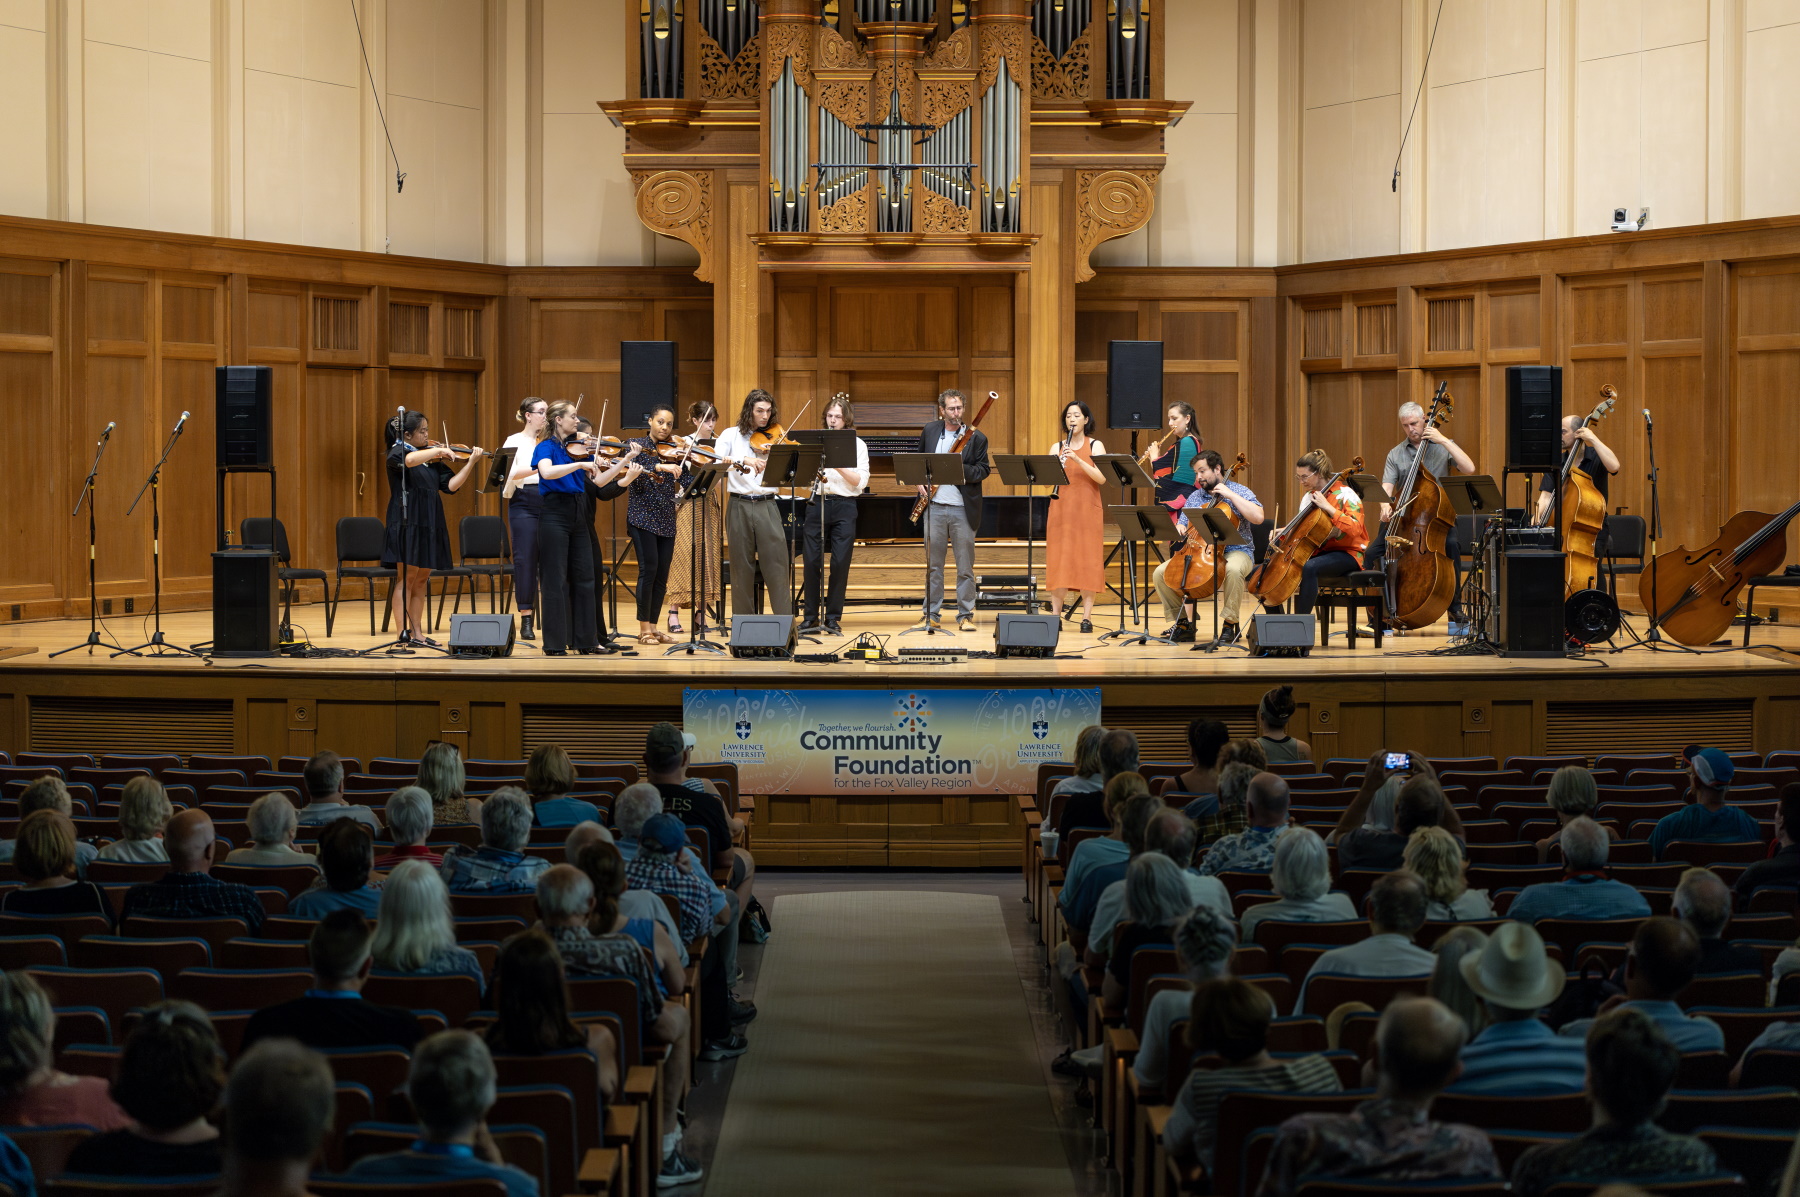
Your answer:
<point x="153" y="484"/>
<point x="88" y="490"/>
<point x="1653" y="637"/>
<point x="403" y="644"/>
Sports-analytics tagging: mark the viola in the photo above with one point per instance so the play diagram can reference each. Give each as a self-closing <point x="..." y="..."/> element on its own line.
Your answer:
<point x="1190" y="569"/>
<point x="1276" y="579"/>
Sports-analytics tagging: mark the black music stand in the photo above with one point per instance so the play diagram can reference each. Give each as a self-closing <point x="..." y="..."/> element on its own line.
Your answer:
<point x="930" y="470"/>
<point x="1149" y="522"/>
<point x="498" y="473"/>
<point x="789" y="462"/>
<point x="1217" y="524"/>
<point x="702" y="476"/>
<point x="1031" y="470"/>
<point x="1127" y="473"/>
<point x="837" y="449"/>
<point x="1474" y="494"/>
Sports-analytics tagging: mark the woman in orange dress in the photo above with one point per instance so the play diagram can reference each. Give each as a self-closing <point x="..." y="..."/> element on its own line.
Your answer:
<point x="1074" y="553"/>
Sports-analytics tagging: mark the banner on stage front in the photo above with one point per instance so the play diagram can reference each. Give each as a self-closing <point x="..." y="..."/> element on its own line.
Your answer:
<point x="888" y="741"/>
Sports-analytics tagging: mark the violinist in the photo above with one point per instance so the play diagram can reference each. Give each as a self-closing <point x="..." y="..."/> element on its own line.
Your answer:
<point x="525" y="509"/>
<point x="1598" y="462"/>
<point x="954" y="513"/>
<point x="418" y="536"/>
<point x="650" y="518"/>
<point x="1212" y="484"/>
<point x="752" y="523"/>
<point x="1340" y="552"/>
<point x="565" y="538"/>
<point x="617" y="471"/>
<point x="1073" y="551"/>
<point x="1170" y="458"/>
<point x="700" y="518"/>
<point x="1438" y="453"/>
<point x="836" y="492"/>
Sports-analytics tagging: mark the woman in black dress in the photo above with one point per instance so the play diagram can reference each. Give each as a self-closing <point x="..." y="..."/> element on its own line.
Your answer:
<point x="650" y="517"/>
<point x="420" y="542"/>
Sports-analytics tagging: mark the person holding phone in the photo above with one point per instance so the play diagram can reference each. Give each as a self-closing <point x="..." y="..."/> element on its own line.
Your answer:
<point x="1420" y="803"/>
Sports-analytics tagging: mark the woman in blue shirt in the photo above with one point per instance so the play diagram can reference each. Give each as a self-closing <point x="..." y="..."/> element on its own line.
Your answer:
<point x="565" y="550"/>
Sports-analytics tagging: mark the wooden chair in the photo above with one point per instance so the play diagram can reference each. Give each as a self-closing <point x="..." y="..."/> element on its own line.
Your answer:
<point x="1561" y="1112"/>
<point x="551" y="1110"/>
<point x="166" y="956"/>
<point x="1757" y="1155"/>
<point x="282" y="955"/>
<point x="97" y="1186"/>
<point x="1724" y="989"/>
<point x="520" y="906"/>
<point x="1704" y="854"/>
<point x="1742" y="1027"/>
<point x="454" y="996"/>
<point x="31" y="951"/>
<point x="1276" y="935"/>
<point x="1688" y="1110"/>
<point x="1327" y="991"/>
<point x="114" y="990"/>
<point x="292" y="880"/>
<point x="215" y="931"/>
<point x="1243" y="1111"/>
<point x="239" y="988"/>
<point x="131" y="872"/>
<point x="48" y="1147"/>
<point x="1570" y="934"/>
<point x="381" y="1070"/>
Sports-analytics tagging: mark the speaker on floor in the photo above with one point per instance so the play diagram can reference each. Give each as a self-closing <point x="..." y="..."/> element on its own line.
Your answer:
<point x="245" y="614"/>
<point x="762" y="635"/>
<point x="244" y="415"/>
<point x="1134" y="384"/>
<point x="1531" y="603"/>
<point x="1026" y="635"/>
<point x="1534" y="418"/>
<point x="481" y="635"/>
<point x="647" y="379"/>
<point x="1281" y="635"/>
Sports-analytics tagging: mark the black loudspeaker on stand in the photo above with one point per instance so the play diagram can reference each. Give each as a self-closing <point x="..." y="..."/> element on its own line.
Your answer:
<point x="1534" y="419"/>
<point x="1134" y="384"/>
<point x="1531" y="603"/>
<point x="648" y="374"/>
<point x="244" y="395"/>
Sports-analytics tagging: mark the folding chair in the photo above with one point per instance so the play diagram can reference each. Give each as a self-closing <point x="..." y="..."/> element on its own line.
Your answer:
<point x="215" y="931"/>
<point x="270" y="533"/>
<point x="360" y="538"/>
<point x="1689" y="1109"/>
<point x="454" y="996"/>
<point x="521" y="906"/>
<point x="283" y="955"/>
<point x="551" y="1110"/>
<point x="114" y="990"/>
<point x="30" y="951"/>
<point x="382" y="1070"/>
<point x="1325" y="992"/>
<point x="292" y="880"/>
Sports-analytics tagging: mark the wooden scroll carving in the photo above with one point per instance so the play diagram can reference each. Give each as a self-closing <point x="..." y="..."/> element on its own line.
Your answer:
<point x="678" y="203"/>
<point x="1108" y="204"/>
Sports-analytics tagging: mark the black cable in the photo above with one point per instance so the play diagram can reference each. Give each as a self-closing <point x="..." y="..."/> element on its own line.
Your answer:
<point x="400" y="175"/>
<point x="1424" y="72"/>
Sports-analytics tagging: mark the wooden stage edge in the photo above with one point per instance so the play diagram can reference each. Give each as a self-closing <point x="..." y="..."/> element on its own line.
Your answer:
<point x="1352" y="702"/>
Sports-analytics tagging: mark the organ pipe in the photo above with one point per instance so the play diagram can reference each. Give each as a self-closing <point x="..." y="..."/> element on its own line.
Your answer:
<point x="788" y="187"/>
<point x="732" y="23"/>
<point x="1057" y="23"/>
<point x="660" y="26"/>
<point x="1000" y="157"/>
<point x="1128" y="49"/>
<point x="839" y="145"/>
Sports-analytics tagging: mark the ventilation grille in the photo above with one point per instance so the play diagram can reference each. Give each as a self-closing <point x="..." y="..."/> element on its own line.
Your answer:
<point x="1596" y="727"/>
<point x="592" y="733"/>
<point x="409" y="328"/>
<point x="335" y="323"/>
<point x="1162" y="734"/>
<point x="462" y="332"/>
<point x="1450" y="324"/>
<point x="132" y="725"/>
<point x="1322" y="332"/>
<point x="1375" y="334"/>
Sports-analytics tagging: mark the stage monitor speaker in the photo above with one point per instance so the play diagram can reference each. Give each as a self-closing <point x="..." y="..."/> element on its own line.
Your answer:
<point x="1026" y="635"/>
<point x="647" y="380"/>
<point x="1531" y="603"/>
<point x="1134" y="384"/>
<point x="244" y="417"/>
<point x="245" y="613"/>
<point x="1534" y="418"/>
<point x="481" y="635"/>
<point x="1281" y="635"/>
<point x="762" y="635"/>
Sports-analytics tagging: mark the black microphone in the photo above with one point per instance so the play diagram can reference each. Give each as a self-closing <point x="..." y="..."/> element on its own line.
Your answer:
<point x="1647" y="423"/>
<point x="107" y="431"/>
<point x="180" y="422"/>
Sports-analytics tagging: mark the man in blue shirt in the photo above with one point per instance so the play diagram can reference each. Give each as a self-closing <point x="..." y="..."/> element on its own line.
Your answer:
<point x="346" y="857"/>
<point x="1664" y="955"/>
<point x="451" y="1087"/>
<point x="1585" y="892"/>
<point x="1708" y="819"/>
<point x="1239" y="502"/>
<point x="1518" y="1053"/>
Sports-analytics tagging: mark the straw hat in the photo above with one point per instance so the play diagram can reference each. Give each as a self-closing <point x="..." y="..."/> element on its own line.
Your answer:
<point x="1514" y="970"/>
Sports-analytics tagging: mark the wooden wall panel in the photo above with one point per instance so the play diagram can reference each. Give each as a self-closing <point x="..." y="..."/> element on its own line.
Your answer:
<point x="35" y="501"/>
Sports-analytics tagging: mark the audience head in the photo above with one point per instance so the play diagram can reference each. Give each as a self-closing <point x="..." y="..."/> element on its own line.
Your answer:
<point x="581" y="835"/>
<point x="1448" y="985"/>
<point x="666" y="748"/>
<point x="1135" y="815"/>
<point x="1435" y="856"/>
<point x="1397" y="903"/>
<point x="46" y="793"/>
<point x="1417" y="1046"/>
<point x="1205" y="938"/>
<point x="1584" y="845"/>
<point x="1243" y="752"/>
<point x="1711" y="770"/>
<point x="339" y="949"/>
<point x="279" y="1102"/>
<point x="172" y="1070"/>
<point x="414" y="924"/>
<point x="273" y="820"/>
<point x="27" y="1031"/>
<point x="1665" y="954"/>
<point x="45" y="847"/>
<point x="1156" y="892"/>
<point x="1301" y="870"/>
<point x="565" y="896"/>
<point x="549" y="773"/>
<point x="1276" y="708"/>
<point x="1234" y="785"/>
<point x="663" y="835"/>
<point x="605" y="870"/>
<point x="1230" y="1016"/>
<point x="441" y="773"/>
<point x="189" y="841"/>
<point x="1205" y="737"/>
<point x="1420" y="803"/>
<point x="324" y="775"/>
<point x="531" y="996"/>
<point x="1118" y="753"/>
<point x="636" y="803"/>
<point x="1267" y="800"/>
<point x="1572" y="792"/>
<point x="144" y="809"/>
<point x="450" y="1084"/>
<point x="346" y="855"/>
<point x="1087" y="750"/>
<point x="1703" y="902"/>
<point x="1118" y="792"/>
<point x="409" y="817"/>
<point x="1513" y="973"/>
<point x="506" y="819"/>
<point x="1787" y="813"/>
<point x="1380" y="815"/>
<point x="1173" y="834"/>
<point x="1632" y="1065"/>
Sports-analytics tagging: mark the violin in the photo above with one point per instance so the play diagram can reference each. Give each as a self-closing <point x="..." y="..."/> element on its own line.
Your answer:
<point x="1276" y="579"/>
<point x="1190" y="569"/>
<point x="600" y="446"/>
<point x="958" y="446"/>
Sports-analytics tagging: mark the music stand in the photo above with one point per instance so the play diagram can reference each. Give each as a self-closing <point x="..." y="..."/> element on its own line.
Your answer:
<point x="1366" y="485"/>
<point x="1149" y="522"/>
<point x="930" y="470"/>
<point x="1031" y="470"/>
<point x="498" y="473"/>
<point x="1128" y="474"/>
<point x="1474" y="494"/>
<point x="701" y="478"/>
<point x="789" y="462"/>
<point x="1217" y="524"/>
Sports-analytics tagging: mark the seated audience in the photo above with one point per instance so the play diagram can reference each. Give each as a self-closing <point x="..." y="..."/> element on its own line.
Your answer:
<point x="1156" y="899"/>
<point x="44" y="855"/>
<point x="15" y="1168"/>
<point x="272" y="821"/>
<point x="450" y="1086"/>
<point x="346" y="857"/>
<point x="634" y="903"/>
<point x="442" y="776"/>
<point x="1087" y="778"/>
<point x="333" y="1013"/>
<point x="144" y="811"/>
<point x="1254" y="847"/>
<point x="1571" y="795"/>
<point x="279" y="1102"/>
<point x="1391" y="1136"/>
<point x="1099" y="861"/>
<point x="1420" y="803"/>
<point x="1118" y="753"/>
<point x="1707" y="818"/>
<point x="531" y="1008"/>
<point x="324" y="776"/>
<point x="1232" y="1017"/>
<point x="188" y="890"/>
<point x="696" y="802"/>
<point x="1631" y="1066"/>
<point x="705" y="907"/>
<point x="1226" y="811"/>
<point x="169" y="1078"/>
<point x="605" y="870"/>
<point x="1703" y="902"/>
<point x="415" y="933"/>
<point x="1585" y="892"/>
<point x="32" y="1091"/>
<point x="1664" y="955"/>
<point x="1378" y="819"/>
<point x="1447" y="982"/>
<point x="408" y="812"/>
<point x="49" y="793"/>
<point x="1300" y="871"/>
<point x="549" y="776"/>
<point x="1437" y="858"/>
<point x="500" y="865"/>
<point x="1172" y="834"/>
<point x="1204" y="941"/>
<point x="1515" y="978"/>
<point x="1204" y="739"/>
<point x="1783" y="868"/>
<point x="1396" y="912"/>
<point x="1371" y="841"/>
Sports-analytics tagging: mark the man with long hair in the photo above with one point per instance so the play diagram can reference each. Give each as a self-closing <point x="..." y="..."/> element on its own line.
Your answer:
<point x="752" y="523"/>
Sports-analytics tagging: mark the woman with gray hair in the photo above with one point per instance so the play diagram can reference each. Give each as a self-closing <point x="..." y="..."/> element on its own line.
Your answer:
<point x="32" y="1091"/>
<point x="1228" y="807"/>
<point x="1449" y="985"/>
<point x="500" y="865"/>
<point x="1156" y="899"/>
<point x="1301" y="874"/>
<point x="272" y="821"/>
<point x="408" y="816"/>
<point x="1204" y="942"/>
<point x="415" y="934"/>
<point x="144" y="811"/>
<point x="441" y="775"/>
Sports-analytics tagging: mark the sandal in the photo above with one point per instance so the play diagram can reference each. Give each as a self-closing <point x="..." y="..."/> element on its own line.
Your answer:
<point x="662" y="638"/>
<point x="675" y="623"/>
<point x="648" y="638"/>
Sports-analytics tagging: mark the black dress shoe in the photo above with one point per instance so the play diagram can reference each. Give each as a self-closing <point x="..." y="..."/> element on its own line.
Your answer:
<point x="1087" y="626"/>
<point x="1182" y="632"/>
<point x="603" y="649"/>
<point x="833" y="628"/>
<point x="1229" y="634"/>
<point x="556" y="652"/>
<point x="525" y="629"/>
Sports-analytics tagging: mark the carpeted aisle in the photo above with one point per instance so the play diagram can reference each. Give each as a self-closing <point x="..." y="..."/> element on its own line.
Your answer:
<point x="893" y="1055"/>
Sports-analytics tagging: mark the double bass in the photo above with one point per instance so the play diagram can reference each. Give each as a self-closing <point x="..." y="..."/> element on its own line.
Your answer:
<point x="1189" y="570"/>
<point x="1583" y="507"/>
<point x="1421" y="578"/>
<point x="958" y="446"/>
<point x="1276" y="579"/>
<point x="1693" y="596"/>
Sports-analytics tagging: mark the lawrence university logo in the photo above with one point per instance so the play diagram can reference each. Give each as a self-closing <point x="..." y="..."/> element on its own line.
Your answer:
<point x="743" y="729"/>
<point x="1040" y="728"/>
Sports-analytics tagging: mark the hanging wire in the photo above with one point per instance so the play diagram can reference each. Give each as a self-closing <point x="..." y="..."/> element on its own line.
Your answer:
<point x="1424" y="71"/>
<point x="399" y="175"/>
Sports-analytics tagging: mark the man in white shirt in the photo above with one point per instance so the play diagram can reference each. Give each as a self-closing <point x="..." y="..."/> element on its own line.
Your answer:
<point x="833" y="522"/>
<point x="1397" y="903"/>
<point x="752" y="523"/>
<point x="954" y="512"/>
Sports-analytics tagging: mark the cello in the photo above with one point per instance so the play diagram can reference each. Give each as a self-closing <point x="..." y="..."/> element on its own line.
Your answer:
<point x="1276" y="579"/>
<point x="1583" y="507"/>
<point x="1693" y="596"/>
<point x="1189" y="570"/>
<point x="1421" y="578"/>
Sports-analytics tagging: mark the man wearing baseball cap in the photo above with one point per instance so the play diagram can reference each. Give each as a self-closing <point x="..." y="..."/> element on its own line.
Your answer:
<point x="1707" y="819"/>
<point x="1515" y="978"/>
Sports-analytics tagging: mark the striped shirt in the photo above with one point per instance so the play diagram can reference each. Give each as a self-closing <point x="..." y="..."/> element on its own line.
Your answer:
<point x="1522" y="1057"/>
<point x="1689" y="1032"/>
<point x="1194" y="1121"/>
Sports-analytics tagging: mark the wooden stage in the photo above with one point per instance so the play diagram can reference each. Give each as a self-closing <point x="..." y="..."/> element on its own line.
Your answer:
<point x="1352" y="702"/>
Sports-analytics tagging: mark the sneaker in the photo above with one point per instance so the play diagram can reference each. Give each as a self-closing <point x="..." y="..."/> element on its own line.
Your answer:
<point x="965" y="623"/>
<point x="1182" y="632"/>
<point x="741" y="1012"/>
<point x="730" y="1047"/>
<point x="678" y="1169"/>
<point x="1459" y="628"/>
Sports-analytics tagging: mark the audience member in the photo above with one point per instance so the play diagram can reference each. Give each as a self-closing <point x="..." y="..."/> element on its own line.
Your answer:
<point x="705" y="909"/>
<point x="409" y="822"/>
<point x="1420" y="803"/>
<point x="32" y="1091"/>
<point x="1517" y="1053"/>
<point x="279" y="1102"/>
<point x="1664" y="955"/>
<point x="1087" y="777"/>
<point x="415" y="932"/>
<point x="634" y="903"/>
<point x="1099" y="861"/>
<point x="1436" y="856"/>
<point x="1707" y="819"/>
<point x="1156" y="899"/>
<point x="324" y="776"/>
<point x="346" y="857"/>
<point x="500" y="865"/>
<point x="1372" y="835"/>
<point x="1272" y="716"/>
<point x="1171" y="833"/>
<point x="1253" y="848"/>
<point x="188" y="890"/>
<point x="49" y="793"/>
<point x="1204" y="942"/>
<point x="450" y="1086"/>
<point x="531" y="1008"/>
<point x="549" y="777"/>
<point x="1631" y="1066"/>
<point x="696" y="802"/>
<point x="605" y="870"/>
<point x="144" y="811"/>
<point x="1379" y="817"/>
<point x="44" y="855"/>
<point x="1783" y="868"/>
<point x="1299" y="871"/>
<point x="1447" y="982"/>
<point x="1226" y="812"/>
<point x="1703" y="902"/>
<point x="1087" y="808"/>
<point x="441" y="775"/>
<point x="334" y="1013"/>
<point x="1585" y="892"/>
<point x="1396" y="912"/>
<point x="273" y="822"/>
<point x="1570" y="795"/>
<point x="1390" y="1137"/>
<point x="169" y="1078"/>
<point x="1204" y="739"/>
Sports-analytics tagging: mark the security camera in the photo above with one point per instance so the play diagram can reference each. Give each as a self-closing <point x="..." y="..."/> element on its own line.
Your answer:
<point x="1622" y="222"/>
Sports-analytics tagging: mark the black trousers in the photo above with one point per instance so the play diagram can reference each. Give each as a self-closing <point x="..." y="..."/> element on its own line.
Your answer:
<point x="840" y="538"/>
<point x="524" y="513"/>
<point x="1452" y="547"/>
<point x="654" y="554"/>
<point x="1320" y="565"/>
<point x="566" y="565"/>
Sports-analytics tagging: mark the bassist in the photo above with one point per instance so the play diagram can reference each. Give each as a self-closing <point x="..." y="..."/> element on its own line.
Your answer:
<point x="1439" y="454"/>
<point x="1598" y="462"/>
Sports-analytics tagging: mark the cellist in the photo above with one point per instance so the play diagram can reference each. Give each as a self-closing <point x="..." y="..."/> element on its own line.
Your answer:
<point x="1598" y="462"/>
<point x="1341" y="552"/>
<point x="1440" y="455"/>
<point x="1212" y="484"/>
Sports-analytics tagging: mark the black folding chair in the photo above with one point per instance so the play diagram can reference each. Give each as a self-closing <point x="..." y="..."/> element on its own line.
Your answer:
<point x="261" y="530"/>
<point x="360" y="538"/>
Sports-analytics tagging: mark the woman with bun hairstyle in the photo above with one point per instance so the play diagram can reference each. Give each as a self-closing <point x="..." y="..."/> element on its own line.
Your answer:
<point x="1272" y="715"/>
<point x="525" y="508"/>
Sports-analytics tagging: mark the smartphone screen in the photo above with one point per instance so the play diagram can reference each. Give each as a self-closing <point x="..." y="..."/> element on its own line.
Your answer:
<point x="1399" y="760"/>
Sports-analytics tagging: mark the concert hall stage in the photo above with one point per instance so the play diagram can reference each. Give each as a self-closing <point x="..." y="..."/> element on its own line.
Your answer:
<point x="1351" y="702"/>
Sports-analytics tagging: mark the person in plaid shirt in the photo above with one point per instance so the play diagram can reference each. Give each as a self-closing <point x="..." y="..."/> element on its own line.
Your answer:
<point x="1253" y="847"/>
<point x="500" y="865"/>
<point x="187" y="890"/>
